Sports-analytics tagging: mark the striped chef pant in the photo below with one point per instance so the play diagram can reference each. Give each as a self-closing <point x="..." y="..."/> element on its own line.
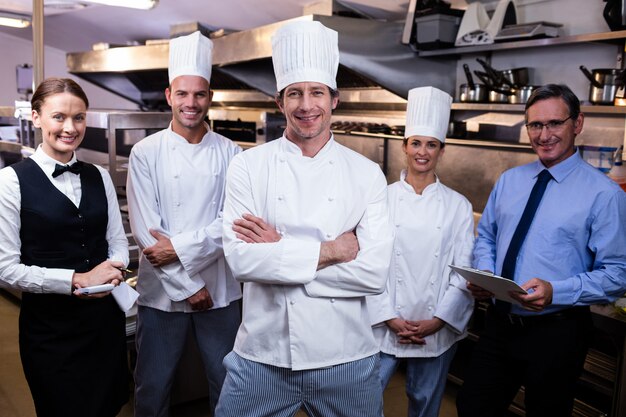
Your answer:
<point x="254" y="389"/>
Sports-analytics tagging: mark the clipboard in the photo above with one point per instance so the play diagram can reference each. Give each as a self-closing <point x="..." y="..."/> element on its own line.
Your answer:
<point x="499" y="286"/>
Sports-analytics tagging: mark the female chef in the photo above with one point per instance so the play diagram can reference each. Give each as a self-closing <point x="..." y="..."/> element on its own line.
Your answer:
<point x="426" y="307"/>
<point x="61" y="230"/>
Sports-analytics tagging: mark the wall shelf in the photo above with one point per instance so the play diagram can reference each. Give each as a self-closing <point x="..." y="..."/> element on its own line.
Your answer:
<point x="607" y="37"/>
<point x="520" y="108"/>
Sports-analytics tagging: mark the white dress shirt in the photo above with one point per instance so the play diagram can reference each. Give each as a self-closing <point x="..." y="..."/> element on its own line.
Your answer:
<point x="177" y="189"/>
<point x="432" y="230"/>
<point x="294" y="316"/>
<point x="33" y="278"/>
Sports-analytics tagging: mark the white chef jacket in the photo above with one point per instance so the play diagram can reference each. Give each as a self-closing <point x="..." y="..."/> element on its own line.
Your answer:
<point x="177" y="189"/>
<point x="33" y="278"/>
<point x="432" y="230"/>
<point x="294" y="316"/>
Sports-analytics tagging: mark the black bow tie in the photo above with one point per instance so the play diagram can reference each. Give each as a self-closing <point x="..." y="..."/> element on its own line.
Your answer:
<point x="75" y="168"/>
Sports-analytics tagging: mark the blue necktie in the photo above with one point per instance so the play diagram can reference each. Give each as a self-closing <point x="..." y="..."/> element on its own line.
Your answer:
<point x="508" y="266"/>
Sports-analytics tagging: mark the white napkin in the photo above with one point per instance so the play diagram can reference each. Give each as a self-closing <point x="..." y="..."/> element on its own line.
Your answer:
<point x="125" y="296"/>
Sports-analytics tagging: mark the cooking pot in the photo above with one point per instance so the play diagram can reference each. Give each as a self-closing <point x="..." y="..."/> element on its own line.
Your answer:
<point x="478" y="94"/>
<point x="496" y="93"/>
<point x="604" y="84"/>
<point x="505" y="93"/>
<point x="457" y="129"/>
<point x="472" y="92"/>
<point x="521" y="94"/>
<point x="514" y="77"/>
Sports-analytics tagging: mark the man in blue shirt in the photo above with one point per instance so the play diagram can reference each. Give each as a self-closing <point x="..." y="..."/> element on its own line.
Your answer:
<point x="572" y="255"/>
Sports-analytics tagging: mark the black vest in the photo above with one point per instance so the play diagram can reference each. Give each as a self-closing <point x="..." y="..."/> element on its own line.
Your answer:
<point x="54" y="232"/>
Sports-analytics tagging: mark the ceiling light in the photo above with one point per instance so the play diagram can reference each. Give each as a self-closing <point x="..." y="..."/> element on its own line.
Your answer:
<point x="64" y="5"/>
<point x="14" y="20"/>
<point x="133" y="4"/>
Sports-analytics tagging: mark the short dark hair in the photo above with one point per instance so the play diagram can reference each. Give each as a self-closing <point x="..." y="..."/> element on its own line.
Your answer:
<point x="333" y="93"/>
<point x="555" y="91"/>
<point x="53" y="85"/>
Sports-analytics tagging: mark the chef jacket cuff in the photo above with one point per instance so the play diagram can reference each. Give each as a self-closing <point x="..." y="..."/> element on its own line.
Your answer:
<point x="57" y="281"/>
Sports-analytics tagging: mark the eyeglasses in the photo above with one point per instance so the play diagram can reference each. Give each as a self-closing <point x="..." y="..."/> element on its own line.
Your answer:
<point x="535" y="128"/>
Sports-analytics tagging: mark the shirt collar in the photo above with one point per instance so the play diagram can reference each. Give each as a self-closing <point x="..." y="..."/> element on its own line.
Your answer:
<point x="561" y="170"/>
<point x="181" y="139"/>
<point x="46" y="162"/>
<point x="408" y="187"/>
<point x="289" y="147"/>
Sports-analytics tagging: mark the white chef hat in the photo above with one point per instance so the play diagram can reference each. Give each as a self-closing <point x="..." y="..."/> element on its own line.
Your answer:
<point x="190" y="55"/>
<point x="305" y="51"/>
<point x="428" y="113"/>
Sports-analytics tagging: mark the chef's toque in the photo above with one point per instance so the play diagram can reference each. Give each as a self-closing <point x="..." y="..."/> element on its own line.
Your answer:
<point x="191" y="55"/>
<point x="428" y="113"/>
<point x="305" y="51"/>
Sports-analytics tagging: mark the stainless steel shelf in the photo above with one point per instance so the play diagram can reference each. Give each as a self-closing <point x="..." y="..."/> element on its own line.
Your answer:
<point x="611" y="37"/>
<point x="520" y="108"/>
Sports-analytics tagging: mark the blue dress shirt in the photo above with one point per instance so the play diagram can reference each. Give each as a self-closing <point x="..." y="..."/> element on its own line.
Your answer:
<point x="577" y="240"/>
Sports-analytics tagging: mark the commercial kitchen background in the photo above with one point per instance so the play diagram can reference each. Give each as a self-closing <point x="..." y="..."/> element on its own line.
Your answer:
<point x="471" y="166"/>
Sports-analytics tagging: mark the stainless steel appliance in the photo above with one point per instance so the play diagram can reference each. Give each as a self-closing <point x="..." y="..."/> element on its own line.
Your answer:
<point x="371" y="55"/>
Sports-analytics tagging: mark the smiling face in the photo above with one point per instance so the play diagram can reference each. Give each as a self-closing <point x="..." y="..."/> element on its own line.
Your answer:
<point x="422" y="154"/>
<point x="308" y="108"/>
<point x="62" y="120"/>
<point x="553" y="145"/>
<point x="190" y="99"/>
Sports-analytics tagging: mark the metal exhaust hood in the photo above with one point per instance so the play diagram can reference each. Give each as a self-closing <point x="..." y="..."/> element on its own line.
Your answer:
<point x="370" y="55"/>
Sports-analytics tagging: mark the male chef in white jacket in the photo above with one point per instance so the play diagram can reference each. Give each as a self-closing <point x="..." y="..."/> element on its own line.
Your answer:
<point x="306" y="229"/>
<point x="175" y="198"/>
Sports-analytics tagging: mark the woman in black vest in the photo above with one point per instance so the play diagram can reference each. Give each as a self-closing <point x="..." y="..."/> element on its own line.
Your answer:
<point x="60" y="230"/>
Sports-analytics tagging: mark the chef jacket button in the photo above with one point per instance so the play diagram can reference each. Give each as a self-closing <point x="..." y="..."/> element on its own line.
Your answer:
<point x="281" y="159"/>
<point x="87" y="261"/>
<point x="430" y="308"/>
<point x="438" y="227"/>
<point x="213" y="202"/>
<point x="328" y="235"/>
<point x="399" y="279"/>
<point x="398" y="253"/>
<point x="82" y="245"/>
<point x="436" y="254"/>
<point x="177" y="204"/>
<point x="432" y="282"/>
<point x="398" y="307"/>
<point x="280" y="232"/>
<point x="331" y="162"/>
<point x="397" y="225"/>
<point x="330" y="198"/>
<point x="332" y="300"/>
<point x="280" y="198"/>
<point x="401" y="198"/>
<point x="173" y="148"/>
<point x="292" y="302"/>
<point x="176" y="176"/>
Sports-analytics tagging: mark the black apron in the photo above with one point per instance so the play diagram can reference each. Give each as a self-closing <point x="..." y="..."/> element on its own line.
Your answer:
<point x="73" y="351"/>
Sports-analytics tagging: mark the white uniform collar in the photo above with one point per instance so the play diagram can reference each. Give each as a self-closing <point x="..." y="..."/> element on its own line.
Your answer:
<point x="408" y="187"/>
<point x="181" y="139"/>
<point x="48" y="163"/>
<point x="289" y="147"/>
